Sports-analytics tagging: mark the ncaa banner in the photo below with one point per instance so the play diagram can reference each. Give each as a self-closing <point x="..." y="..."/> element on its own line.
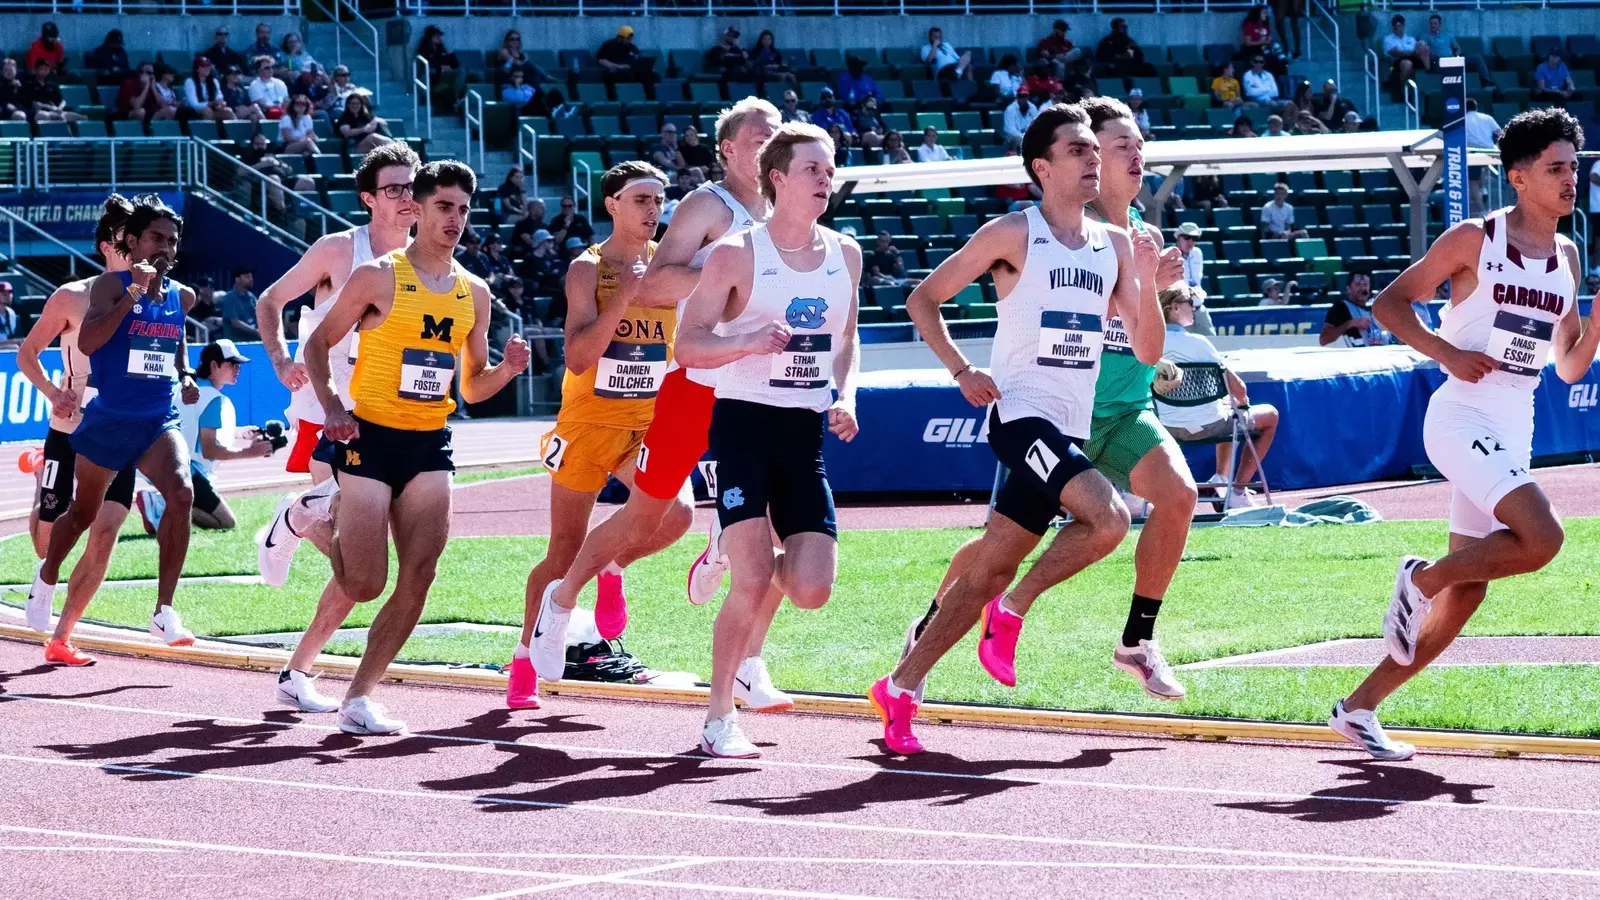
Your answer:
<point x="1454" y="88"/>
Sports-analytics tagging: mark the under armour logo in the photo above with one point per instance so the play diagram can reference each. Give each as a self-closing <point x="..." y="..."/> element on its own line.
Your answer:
<point x="732" y="498"/>
<point x="352" y="458"/>
<point x="1495" y="267"/>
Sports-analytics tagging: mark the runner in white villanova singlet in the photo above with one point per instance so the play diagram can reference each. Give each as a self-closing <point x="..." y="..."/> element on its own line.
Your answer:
<point x="1513" y="283"/>
<point x="303" y="405"/>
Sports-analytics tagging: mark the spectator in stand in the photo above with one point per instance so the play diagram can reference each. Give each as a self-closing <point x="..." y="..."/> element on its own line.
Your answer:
<point x="1055" y="49"/>
<point x="1041" y="83"/>
<point x="202" y="93"/>
<point x="542" y="268"/>
<point x="338" y="92"/>
<point x="361" y="129"/>
<point x="311" y="84"/>
<point x="237" y="96"/>
<point x="1591" y="285"/>
<point x="1195" y="423"/>
<point x="1349" y="322"/>
<point x="1255" y="35"/>
<point x="1306" y="123"/>
<point x="109" y="61"/>
<point x="1225" y="88"/>
<point x="1016" y="118"/>
<point x="944" y="62"/>
<point x="431" y="48"/>
<point x="575" y="247"/>
<point x="262" y="156"/>
<point x="894" y="148"/>
<point x="167" y="89"/>
<point x="1141" y="116"/>
<point x="1274" y="127"/>
<point x="470" y="254"/>
<point x="664" y="152"/>
<point x="622" y="61"/>
<point x="1484" y="132"/>
<point x="47" y="47"/>
<point x="766" y="60"/>
<point x="1205" y="192"/>
<point x="263" y="45"/>
<point x="1274" y="293"/>
<point x="716" y="173"/>
<point x="510" y="58"/>
<point x="499" y="267"/>
<point x="884" y="265"/>
<point x="1118" y="54"/>
<point x="841" y="145"/>
<point x="1330" y="106"/>
<point x="1442" y="43"/>
<point x="41" y="97"/>
<point x="683" y="186"/>
<point x="1552" y="80"/>
<point x="1243" y="128"/>
<point x="930" y="150"/>
<point x="221" y="55"/>
<point x="204" y="310"/>
<point x="855" y="85"/>
<point x="1194" y="262"/>
<point x="1352" y="123"/>
<point x="791" y="111"/>
<point x="522" y="233"/>
<point x="293" y="58"/>
<point x="517" y="91"/>
<point x="695" y="153"/>
<point x="1405" y="51"/>
<point x="568" y="225"/>
<point x="729" y="57"/>
<point x="266" y="90"/>
<point x="239" y="307"/>
<point x="1007" y="77"/>
<point x="829" y="113"/>
<point x="1287" y="15"/>
<point x="10" y="324"/>
<point x="1260" y="86"/>
<point x="137" y="99"/>
<point x="1277" y="217"/>
<point x="297" y="130"/>
<point x="12" y="105"/>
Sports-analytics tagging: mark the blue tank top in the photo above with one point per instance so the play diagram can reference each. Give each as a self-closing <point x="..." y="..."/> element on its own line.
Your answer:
<point x="134" y="371"/>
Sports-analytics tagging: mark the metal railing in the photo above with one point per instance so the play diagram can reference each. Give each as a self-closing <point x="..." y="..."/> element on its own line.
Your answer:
<point x="131" y="162"/>
<point x="868" y="7"/>
<point x="472" y="114"/>
<point x="1413" y="97"/>
<point x="422" y="98"/>
<point x="220" y="188"/>
<point x="580" y="187"/>
<point x="1372" y="85"/>
<point x="528" y="154"/>
<point x="75" y="258"/>
<point x="346" y="17"/>
<point x="1580" y="236"/>
<point x="184" y="7"/>
<point x="1314" y="11"/>
<point x="198" y="332"/>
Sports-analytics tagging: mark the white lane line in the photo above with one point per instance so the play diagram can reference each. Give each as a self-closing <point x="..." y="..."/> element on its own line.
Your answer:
<point x="852" y="769"/>
<point x="710" y="888"/>
<point x="611" y="878"/>
<point x="817" y="825"/>
<point x="1228" y="661"/>
<point x="13" y="848"/>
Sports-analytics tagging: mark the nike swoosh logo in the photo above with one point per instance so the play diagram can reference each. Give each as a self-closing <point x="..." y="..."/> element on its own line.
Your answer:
<point x="743" y="682"/>
<point x="462" y="296"/>
<point x="272" y="531"/>
<point x="1099" y="248"/>
<point x="834" y="271"/>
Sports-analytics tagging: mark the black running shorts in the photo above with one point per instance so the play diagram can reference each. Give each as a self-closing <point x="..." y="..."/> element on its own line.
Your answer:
<point x="1041" y="460"/>
<point x="393" y="456"/>
<point x="769" y="464"/>
<point x="59" y="472"/>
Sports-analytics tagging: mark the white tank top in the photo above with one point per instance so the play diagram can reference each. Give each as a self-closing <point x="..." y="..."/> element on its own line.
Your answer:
<point x="74" y="369"/>
<point x="1511" y="315"/>
<point x="742" y="219"/>
<point x="189" y="422"/>
<point x="815" y="304"/>
<point x="303" y="404"/>
<point x="1050" y="332"/>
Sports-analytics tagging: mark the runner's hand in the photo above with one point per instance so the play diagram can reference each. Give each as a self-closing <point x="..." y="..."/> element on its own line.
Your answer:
<point x="1170" y="269"/>
<point x="628" y="280"/>
<point x="339" y="426"/>
<point x="1469" y="365"/>
<point x="842" y="421"/>
<point x="293" y="375"/>
<point x="977" y="387"/>
<point x="771" y="338"/>
<point x="1145" y="255"/>
<point x="63" y="403"/>
<point x="143" y="274"/>
<point x="191" y="392"/>
<point x="516" y="354"/>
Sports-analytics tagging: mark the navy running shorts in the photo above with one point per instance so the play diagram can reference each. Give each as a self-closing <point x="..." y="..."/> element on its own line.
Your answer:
<point x="1040" y="461"/>
<point x="769" y="465"/>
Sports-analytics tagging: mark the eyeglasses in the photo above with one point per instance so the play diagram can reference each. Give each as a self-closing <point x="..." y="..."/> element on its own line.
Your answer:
<point x="395" y="191"/>
<point x="566" y="206"/>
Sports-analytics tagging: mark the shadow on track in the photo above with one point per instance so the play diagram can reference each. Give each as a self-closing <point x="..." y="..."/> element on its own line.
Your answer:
<point x="214" y="745"/>
<point x="1372" y="790"/>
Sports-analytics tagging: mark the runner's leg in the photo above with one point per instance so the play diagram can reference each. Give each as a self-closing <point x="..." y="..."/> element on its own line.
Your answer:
<point x="1162" y="477"/>
<point x="1099" y="522"/>
<point x="166" y="466"/>
<point x="360" y="545"/>
<point x="87" y="498"/>
<point x="748" y="544"/>
<point x="421" y="517"/>
<point x="90" y="570"/>
<point x="1531" y="539"/>
<point x="569" y="522"/>
<point x="616" y="538"/>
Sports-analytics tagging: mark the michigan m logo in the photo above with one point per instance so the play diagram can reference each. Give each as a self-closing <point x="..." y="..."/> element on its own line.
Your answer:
<point x="351" y="458"/>
<point x="432" y="330"/>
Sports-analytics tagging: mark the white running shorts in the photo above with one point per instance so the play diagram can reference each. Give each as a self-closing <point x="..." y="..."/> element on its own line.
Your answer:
<point x="1484" y="454"/>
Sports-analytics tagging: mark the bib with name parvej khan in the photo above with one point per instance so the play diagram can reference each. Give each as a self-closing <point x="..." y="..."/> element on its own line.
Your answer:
<point x="1124" y="383"/>
<point x="403" y="375"/>
<point x="619" y="390"/>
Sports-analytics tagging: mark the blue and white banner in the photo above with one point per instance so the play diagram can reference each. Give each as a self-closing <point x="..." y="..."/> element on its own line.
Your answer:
<point x="1453" y="70"/>
<point x="68" y="215"/>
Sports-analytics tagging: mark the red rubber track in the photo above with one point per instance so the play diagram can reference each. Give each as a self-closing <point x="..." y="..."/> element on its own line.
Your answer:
<point x="137" y="779"/>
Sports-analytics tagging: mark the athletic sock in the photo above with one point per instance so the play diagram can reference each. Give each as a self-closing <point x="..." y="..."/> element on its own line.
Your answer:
<point x="611" y="569"/>
<point x="522" y="652"/>
<point x="1006" y="610"/>
<point x="1141" y="625"/>
<point x="896" y="690"/>
<point x="933" y="610"/>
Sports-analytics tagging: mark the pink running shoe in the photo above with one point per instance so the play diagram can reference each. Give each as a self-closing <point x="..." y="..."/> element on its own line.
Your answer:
<point x="610" y="605"/>
<point x="897" y="713"/>
<point x="997" y="646"/>
<point x="522" y="691"/>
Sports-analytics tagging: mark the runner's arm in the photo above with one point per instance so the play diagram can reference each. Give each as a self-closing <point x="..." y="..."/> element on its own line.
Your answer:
<point x="1576" y="341"/>
<point x="669" y="277"/>
<point x="1002" y="240"/>
<point x="698" y="346"/>
<point x="301" y="279"/>
<point x="191" y="391"/>
<point x="370" y="286"/>
<point x="847" y="362"/>
<point x="479" y="380"/>
<point x="1141" y="317"/>
<point x="52" y="322"/>
<point x="588" y="328"/>
<point x="109" y="303"/>
<point x="1455" y="251"/>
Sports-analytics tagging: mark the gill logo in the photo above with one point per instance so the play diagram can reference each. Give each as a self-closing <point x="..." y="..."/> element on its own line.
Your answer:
<point x="1583" y="396"/>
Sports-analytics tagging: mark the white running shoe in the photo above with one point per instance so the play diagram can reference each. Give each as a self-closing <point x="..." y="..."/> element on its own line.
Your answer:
<point x="1239" y="498"/>
<point x="1361" y="726"/>
<point x="167" y="626"/>
<point x="363" y="715"/>
<point x="905" y="651"/>
<point x="275" y="545"/>
<point x="550" y="637"/>
<point x="41" y="601"/>
<point x="1146" y="663"/>
<point x="1402" y="622"/>
<point x="295" y="689"/>
<point x="316" y="504"/>
<point x="706" y="574"/>
<point x="752" y="685"/>
<point x="723" y="738"/>
<point x="151" y="505"/>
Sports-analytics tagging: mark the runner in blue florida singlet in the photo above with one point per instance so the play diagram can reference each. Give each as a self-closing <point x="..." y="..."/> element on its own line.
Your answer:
<point x="133" y="374"/>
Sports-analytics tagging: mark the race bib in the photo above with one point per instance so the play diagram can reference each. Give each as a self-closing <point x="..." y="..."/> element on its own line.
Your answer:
<point x="426" y="374"/>
<point x="1069" y="340"/>
<point x="630" y="371"/>
<point x="155" y="359"/>
<point x="1116" y="337"/>
<point x="1520" y="345"/>
<point x="805" y="363"/>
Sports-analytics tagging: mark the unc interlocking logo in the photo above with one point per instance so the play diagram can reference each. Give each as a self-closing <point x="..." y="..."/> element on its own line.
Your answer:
<point x="351" y="457"/>
<point x="806" y="312"/>
<point x="1495" y="267"/>
<point x="732" y="498"/>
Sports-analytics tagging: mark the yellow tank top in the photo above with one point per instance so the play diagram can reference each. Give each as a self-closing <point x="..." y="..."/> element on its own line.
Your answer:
<point x="408" y="362"/>
<point x="620" y="389"/>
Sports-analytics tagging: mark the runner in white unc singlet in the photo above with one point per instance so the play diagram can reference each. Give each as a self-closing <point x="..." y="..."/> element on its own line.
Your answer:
<point x="303" y="405"/>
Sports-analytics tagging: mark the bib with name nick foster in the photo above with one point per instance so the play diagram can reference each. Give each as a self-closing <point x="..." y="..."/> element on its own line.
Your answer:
<point x="426" y="374"/>
<point x="1069" y="340"/>
<point x="1518" y="344"/>
<point x="805" y="363"/>
<point x="629" y="371"/>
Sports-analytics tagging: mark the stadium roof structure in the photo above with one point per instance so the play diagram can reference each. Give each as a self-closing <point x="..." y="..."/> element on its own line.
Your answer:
<point x="1397" y="151"/>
